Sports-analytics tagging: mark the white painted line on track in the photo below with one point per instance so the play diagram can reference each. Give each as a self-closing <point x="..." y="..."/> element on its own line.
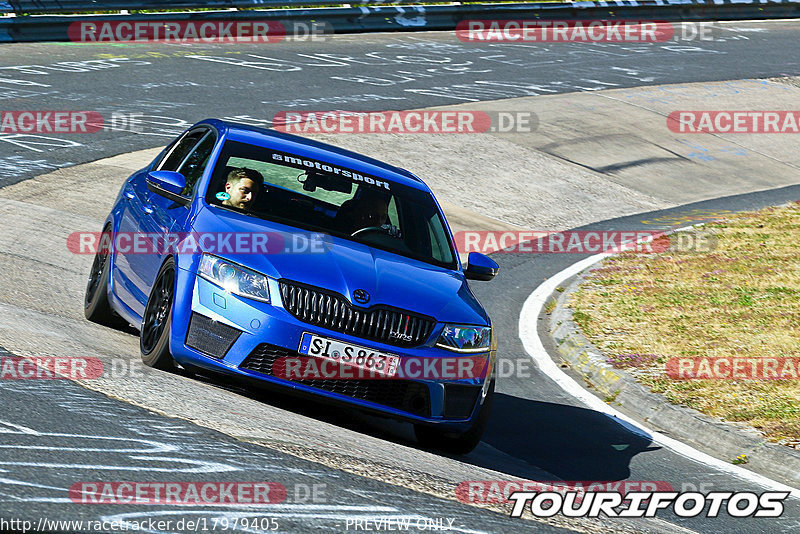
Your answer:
<point x="528" y="334"/>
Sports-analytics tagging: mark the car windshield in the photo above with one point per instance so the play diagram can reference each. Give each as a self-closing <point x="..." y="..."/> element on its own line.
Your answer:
<point x="318" y="196"/>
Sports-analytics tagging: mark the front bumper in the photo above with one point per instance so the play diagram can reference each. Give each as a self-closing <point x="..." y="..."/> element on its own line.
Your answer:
<point x="226" y="333"/>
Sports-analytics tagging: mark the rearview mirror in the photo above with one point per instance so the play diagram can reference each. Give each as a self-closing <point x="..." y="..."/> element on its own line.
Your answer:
<point x="328" y="182"/>
<point x="169" y="184"/>
<point x="480" y="267"/>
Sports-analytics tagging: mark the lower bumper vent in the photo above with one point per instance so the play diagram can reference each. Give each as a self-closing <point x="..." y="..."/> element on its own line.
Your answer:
<point x="406" y="395"/>
<point x="209" y="336"/>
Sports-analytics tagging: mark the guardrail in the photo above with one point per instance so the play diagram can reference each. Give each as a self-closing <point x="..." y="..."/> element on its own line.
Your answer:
<point x="372" y="15"/>
<point x="35" y="7"/>
<point x="72" y="6"/>
<point x="83" y="6"/>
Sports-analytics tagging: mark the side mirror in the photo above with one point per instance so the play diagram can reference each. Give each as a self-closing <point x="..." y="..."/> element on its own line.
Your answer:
<point x="480" y="267"/>
<point x="169" y="184"/>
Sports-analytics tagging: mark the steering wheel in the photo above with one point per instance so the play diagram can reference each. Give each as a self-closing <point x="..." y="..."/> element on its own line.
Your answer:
<point x="367" y="229"/>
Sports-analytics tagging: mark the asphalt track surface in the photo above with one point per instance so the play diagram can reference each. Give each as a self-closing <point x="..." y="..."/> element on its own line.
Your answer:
<point x="74" y="434"/>
<point x="173" y="86"/>
<point x="46" y="425"/>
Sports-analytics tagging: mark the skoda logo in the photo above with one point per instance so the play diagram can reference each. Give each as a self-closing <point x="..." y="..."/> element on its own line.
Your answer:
<point x="360" y="296"/>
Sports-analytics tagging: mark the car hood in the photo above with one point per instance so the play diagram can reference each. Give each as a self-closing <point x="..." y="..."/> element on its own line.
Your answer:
<point x="343" y="266"/>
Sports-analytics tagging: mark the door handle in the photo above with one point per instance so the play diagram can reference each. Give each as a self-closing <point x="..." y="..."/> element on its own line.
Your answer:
<point x="130" y="194"/>
<point x="147" y="209"/>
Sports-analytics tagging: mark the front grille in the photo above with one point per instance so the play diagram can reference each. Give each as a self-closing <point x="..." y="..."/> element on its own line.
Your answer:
<point x="209" y="336"/>
<point x="405" y="395"/>
<point x="333" y="311"/>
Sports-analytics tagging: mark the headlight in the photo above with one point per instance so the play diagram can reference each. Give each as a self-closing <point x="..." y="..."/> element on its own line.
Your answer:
<point x="461" y="338"/>
<point x="234" y="278"/>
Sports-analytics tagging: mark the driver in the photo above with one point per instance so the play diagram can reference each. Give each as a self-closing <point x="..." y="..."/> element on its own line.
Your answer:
<point x="375" y="211"/>
<point x="371" y="209"/>
<point x="242" y="187"/>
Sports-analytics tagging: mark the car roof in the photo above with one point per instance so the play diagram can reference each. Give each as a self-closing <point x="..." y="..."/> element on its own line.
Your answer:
<point x="302" y="146"/>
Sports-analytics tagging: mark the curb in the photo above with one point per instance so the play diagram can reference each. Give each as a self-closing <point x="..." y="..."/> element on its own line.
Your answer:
<point x="721" y="439"/>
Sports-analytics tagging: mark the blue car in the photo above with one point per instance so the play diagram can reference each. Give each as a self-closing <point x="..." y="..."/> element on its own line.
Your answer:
<point x="300" y="265"/>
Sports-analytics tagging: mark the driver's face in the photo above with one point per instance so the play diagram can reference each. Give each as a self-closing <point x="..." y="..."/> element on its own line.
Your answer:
<point x="376" y="214"/>
<point x="241" y="192"/>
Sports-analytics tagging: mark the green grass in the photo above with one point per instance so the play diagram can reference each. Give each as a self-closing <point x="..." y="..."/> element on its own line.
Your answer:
<point x="741" y="299"/>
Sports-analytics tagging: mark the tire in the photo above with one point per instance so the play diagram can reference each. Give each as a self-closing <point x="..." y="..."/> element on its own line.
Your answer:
<point x="432" y="438"/>
<point x="96" y="307"/>
<point x="156" y="323"/>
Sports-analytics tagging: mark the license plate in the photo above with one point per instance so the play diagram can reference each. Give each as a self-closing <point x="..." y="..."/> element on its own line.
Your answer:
<point x="353" y="355"/>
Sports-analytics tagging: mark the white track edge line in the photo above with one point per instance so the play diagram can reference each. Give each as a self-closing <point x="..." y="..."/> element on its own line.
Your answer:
<point x="528" y="334"/>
